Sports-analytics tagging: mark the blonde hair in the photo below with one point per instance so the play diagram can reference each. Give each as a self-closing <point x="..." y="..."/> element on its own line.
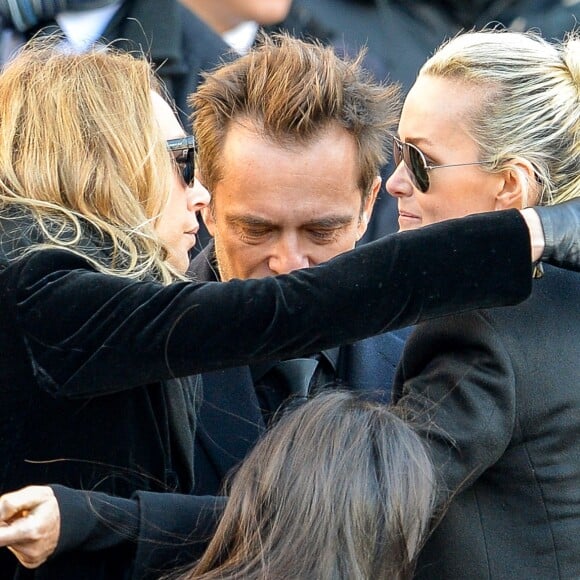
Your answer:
<point x="292" y="90"/>
<point x="530" y="104"/>
<point x="340" y="489"/>
<point x="81" y="153"/>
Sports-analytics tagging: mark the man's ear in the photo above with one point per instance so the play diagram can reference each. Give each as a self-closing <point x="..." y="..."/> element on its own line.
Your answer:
<point x="369" y="204"/>
<point x="520" y="188"/>
<point x="208" y="216"/>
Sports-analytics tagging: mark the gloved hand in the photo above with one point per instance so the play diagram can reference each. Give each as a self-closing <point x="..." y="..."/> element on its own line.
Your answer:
<point x="561" y="225"/>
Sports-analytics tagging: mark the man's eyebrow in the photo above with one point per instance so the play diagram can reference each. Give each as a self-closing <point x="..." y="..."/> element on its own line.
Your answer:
<point x="327" y="222"/>
<point x="248" y="220"/>
<point x="330" y="221"/>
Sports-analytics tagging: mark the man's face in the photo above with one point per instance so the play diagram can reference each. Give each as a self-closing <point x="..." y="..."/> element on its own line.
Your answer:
<point x="279" y="208"/>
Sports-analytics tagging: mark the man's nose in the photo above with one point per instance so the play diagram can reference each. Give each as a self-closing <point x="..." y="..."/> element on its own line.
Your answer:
<point x="288" y="256"/>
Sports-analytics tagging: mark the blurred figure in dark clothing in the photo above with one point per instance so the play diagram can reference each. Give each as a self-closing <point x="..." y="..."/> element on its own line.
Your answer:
<point x="178" y="43"/>
<point x="238" y="21"/>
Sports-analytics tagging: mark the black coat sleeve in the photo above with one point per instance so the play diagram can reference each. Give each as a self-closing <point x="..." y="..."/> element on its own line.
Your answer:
<point x="151" y="532"/>
<point x="113" y="333"/>
<point x="456" y="380"/>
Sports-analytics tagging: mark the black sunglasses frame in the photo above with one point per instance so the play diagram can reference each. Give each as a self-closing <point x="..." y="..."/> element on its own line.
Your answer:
<point x="416" y="162"/>
<point x="187" y="163"/>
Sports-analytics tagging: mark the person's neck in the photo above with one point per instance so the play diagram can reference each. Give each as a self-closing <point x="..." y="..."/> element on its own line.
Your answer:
<point x="213" y="14"/>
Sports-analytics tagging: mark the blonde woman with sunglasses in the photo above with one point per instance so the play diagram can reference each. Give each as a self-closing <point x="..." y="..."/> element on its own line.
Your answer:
<point x="492" y="123"/>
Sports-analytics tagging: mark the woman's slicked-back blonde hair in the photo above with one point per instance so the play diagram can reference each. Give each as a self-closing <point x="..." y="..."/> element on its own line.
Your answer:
<point x="340" y="489"/>
<point x="530" y="105"/>
<point x="80" y="150"/>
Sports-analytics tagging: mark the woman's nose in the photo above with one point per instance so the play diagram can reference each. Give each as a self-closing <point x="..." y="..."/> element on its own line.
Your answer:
<point x="398" y="184"/>
<point x="198" y="197"/>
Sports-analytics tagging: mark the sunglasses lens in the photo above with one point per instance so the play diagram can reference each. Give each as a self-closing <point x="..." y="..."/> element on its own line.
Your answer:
<point x="414" y="161"/>
<point x="397" y="152"/>
<point x="187" y="167"/>
<point x="183" y="149"/>
<point x="416" y="164"/>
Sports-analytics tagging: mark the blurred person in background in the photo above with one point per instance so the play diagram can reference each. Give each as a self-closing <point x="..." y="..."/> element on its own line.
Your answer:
<point x="238" y="21"/>
<point x="178" y="43"/>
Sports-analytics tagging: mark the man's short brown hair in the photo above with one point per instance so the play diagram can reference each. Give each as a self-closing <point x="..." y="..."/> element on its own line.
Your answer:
<point x="292" y="90"/>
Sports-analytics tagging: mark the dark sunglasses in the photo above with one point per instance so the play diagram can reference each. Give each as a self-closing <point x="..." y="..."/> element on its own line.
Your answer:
<point x="417" y="164"/>
<point x="185" y="161"/>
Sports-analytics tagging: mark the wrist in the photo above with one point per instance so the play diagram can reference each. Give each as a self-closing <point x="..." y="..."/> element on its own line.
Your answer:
<point x="537" y="238"/>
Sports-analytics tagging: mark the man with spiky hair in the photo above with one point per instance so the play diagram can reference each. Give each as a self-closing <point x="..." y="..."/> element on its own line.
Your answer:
<point x="291" y="139"/>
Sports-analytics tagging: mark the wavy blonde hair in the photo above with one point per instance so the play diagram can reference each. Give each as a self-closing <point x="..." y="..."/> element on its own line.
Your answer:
<point x="530" y="105"/>
<point x="339" y="489"/>
<point x="81" y="152"/>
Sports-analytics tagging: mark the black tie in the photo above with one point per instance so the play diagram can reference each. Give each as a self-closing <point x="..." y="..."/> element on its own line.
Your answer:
<point x="296" y="374"/>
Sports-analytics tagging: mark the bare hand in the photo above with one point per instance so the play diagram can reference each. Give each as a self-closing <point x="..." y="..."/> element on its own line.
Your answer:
<point x="30" y="524"/>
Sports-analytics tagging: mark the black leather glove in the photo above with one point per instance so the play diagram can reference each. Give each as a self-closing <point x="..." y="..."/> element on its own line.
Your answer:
<point x="561" y="225"/>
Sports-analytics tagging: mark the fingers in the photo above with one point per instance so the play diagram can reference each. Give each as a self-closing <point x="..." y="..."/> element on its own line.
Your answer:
<point x="19" y="503"/>
<point x="30" y="524"/>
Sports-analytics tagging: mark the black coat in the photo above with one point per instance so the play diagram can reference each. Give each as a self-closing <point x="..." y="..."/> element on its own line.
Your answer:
<point x="228" y="425"/>
<point x="85" y="357"/>
<point x="503" y="388"/>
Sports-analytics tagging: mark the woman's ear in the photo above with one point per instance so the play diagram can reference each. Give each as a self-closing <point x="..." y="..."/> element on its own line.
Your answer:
<point x="520" y="188"/>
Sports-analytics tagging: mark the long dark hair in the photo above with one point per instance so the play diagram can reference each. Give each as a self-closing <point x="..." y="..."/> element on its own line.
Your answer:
<point x="340" y="488"/>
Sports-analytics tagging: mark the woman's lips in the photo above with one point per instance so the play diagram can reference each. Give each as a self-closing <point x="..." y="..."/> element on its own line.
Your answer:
<point x="407" y="214"/>
<point x="193" y="235"/>
<point x="407" y="219"/>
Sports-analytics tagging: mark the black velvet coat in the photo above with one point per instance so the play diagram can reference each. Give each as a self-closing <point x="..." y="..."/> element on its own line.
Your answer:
<point x="86" y="358"/>
<point x="502" y="387"/>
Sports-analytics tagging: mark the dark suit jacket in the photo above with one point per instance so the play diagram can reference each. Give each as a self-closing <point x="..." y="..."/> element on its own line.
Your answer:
<point x="229" y="420"/>
<point x="502" y="387"/>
